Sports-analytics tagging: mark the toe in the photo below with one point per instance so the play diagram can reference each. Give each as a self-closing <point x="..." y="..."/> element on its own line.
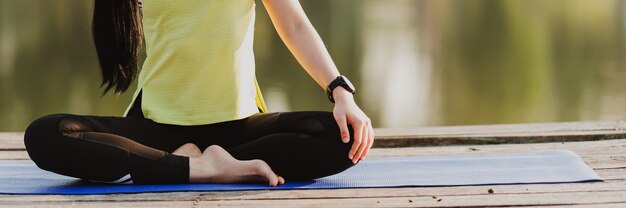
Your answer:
<point x="264" y="170"/>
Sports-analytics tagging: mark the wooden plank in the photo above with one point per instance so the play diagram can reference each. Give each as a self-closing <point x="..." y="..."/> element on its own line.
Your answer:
<point x="609" y="162"/>
<point x="12" y="141"/>
<point x="460" y="135"/>
<point x="603" y="205"/>
<point x="612" y="174"/>
<point x="536" y="128"/>
<point x="561" y="199"/>
<point x="335" y="193"/>
<point x="96" y="204"/>
<point x="444" y="140"/>
<point x="427" y="201"/>
<point x="14" y="155"/>
<point x="468" y="201"/>
<point x="500" y="134"/>
<point x="582" y="148"/>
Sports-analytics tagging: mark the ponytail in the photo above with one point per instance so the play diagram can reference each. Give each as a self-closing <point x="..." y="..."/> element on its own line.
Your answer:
<point x="117" y="34"/>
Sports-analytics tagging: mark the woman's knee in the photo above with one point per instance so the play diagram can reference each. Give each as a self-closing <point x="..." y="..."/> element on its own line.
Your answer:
<point x="46" y="134"/>
<point x="323" y="126"/>
<point x="328" y="156"/>
<point x="52" y="125"/>
<point x="40" y="129"/>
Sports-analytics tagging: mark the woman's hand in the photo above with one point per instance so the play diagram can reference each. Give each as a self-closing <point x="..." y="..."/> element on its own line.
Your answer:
<point x="346" y="112"/>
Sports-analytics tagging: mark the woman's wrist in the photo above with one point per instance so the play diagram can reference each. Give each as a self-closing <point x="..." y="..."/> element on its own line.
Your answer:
<point x="342" y="95"/>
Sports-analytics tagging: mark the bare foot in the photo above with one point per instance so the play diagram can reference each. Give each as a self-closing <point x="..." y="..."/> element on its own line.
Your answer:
<point x="189" y="150"/>
<point x="216" y="165"/>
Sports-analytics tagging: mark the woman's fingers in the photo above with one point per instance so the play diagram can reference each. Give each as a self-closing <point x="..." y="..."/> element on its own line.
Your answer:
<point x="362" y="132"/>
<point x="369" y="139"/>
<point x="370" y="142"/>
<point x="343" y="128"/>
<point x="358" y="131"/>
<point x="366" y="143"/>
<point x="362" y="146"/>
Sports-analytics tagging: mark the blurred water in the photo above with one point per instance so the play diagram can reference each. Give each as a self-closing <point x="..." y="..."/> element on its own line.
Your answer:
<point x="414" y="62"/>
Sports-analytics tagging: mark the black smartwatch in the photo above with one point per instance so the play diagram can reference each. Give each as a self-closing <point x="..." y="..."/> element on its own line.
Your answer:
<point x="339" y="81"/>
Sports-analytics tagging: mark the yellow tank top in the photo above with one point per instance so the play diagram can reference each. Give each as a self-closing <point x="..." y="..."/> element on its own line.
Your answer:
<point x="200" y="64"/>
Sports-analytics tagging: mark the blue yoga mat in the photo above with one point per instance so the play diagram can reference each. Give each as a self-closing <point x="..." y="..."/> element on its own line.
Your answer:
<point x="560" y="166"/>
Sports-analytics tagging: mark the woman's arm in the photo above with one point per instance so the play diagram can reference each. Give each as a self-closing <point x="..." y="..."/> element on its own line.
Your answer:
<point x="305" y="44"/>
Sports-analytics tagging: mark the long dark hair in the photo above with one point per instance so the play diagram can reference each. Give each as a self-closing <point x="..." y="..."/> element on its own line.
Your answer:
<point x="117" y="34"/>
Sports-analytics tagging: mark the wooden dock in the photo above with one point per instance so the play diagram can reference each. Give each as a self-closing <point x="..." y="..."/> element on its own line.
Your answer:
<point x="602" y="145"/>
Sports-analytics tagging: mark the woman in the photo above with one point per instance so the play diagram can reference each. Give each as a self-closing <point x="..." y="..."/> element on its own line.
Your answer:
<point x="197" y="91"/>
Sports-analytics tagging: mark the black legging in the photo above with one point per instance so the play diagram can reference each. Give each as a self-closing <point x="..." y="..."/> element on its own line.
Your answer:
<point x="296" y="145"/>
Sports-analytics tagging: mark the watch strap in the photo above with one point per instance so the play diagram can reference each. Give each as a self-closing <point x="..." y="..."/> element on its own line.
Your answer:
<point x="339" y="81"/>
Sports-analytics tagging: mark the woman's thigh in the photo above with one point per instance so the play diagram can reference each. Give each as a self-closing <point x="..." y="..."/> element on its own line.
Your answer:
<point x="234" y="133"/>
<point x="144" y="131"/>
